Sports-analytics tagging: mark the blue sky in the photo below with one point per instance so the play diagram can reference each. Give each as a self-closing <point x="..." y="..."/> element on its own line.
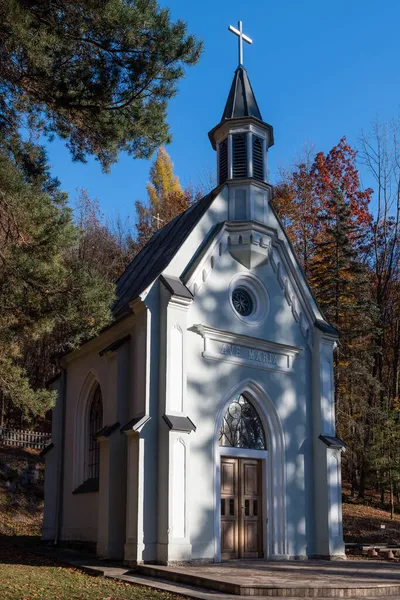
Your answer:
<point x="319" y="70"/>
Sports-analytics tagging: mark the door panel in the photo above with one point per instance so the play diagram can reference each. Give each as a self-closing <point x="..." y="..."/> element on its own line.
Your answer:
<point x="228" y="539"/>
<point x="250" y="500"/>
<point x="250" y="538"/>
<point x="229" y="508"/>
<point x="228" y="477"/>
<point x="241" y="528"/>
<point x="250" y="477"/>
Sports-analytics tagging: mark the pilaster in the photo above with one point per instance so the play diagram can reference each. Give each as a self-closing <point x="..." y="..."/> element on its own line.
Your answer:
<point x="54" y="467"/>
<point x="327" y="456"/>
<point x="141" y="435"/>
<point x="113" y="456"/>
<point x="134" y="550"/>
<point x="173" y="540"/>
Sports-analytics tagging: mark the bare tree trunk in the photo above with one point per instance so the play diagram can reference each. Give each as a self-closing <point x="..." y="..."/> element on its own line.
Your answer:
<point x="353" y="480"/>
<point x="2" y="410"/>
<point x="396" y="359"/>
<point x="361" y="486"/>
<point x="391" y="498"/>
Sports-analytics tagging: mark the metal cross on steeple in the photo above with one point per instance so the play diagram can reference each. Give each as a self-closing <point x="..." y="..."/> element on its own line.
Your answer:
<point x="241" y="36"/>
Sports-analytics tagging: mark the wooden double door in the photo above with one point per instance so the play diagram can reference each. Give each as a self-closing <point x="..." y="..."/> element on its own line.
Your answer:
<point x="241" y="508"/>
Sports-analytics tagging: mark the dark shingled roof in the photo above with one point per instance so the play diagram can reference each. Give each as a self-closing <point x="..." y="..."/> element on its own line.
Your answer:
<point x="241" y="100"/>
<point x="156" y="255"/>
<point x="115" y="345"/>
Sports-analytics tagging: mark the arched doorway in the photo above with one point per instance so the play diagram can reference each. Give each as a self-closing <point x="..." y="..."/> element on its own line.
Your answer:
<point x="249" y="455"/>
<point x="241" y="481"/>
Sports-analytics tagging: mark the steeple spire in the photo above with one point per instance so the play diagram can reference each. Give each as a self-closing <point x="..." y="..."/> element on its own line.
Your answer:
<point x="242" y="140"/>
<point x="241" y="110"/>
<point x="241" y="100"/>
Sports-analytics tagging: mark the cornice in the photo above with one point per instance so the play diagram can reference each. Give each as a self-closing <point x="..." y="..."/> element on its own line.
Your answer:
<point x="246" y="340"/>
<point x="228" y="126"/>
<point x="179" y="302"/>
<point x="104" y="339"/>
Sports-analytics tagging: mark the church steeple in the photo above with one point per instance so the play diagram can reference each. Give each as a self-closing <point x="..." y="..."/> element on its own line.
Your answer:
<point x="241" y="138"/>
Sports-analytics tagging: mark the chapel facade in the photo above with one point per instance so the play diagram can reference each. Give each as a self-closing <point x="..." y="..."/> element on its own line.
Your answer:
<point x="200" y="424"/>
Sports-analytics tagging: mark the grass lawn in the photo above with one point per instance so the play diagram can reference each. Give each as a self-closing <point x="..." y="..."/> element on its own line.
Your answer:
<point x="26" y="576"/>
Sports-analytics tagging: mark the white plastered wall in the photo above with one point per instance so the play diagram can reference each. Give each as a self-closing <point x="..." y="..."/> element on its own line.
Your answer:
<point x="83" y="369"/>
<point x="280" y="397"/>
<point x="289" y="322"/>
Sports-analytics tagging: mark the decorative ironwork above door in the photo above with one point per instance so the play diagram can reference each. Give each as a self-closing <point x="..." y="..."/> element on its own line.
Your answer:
<point x="241" y="426"/>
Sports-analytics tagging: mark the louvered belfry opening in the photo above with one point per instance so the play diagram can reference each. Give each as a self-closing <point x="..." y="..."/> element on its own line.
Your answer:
<point x="239" y="149"/>
<point x="223" y="161"/>
<point x="258" y="158"/>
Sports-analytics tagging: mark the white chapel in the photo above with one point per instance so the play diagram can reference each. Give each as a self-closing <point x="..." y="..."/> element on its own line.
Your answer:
<point x="200" y="424"/>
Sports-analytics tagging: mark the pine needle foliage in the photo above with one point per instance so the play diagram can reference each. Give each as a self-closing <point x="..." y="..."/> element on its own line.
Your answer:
<point x="338" y="276"/>
<point x="96" y="73"/>
<point x="43" y="286"/>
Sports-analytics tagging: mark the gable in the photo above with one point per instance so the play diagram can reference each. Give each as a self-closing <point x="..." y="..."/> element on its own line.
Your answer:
<point x="278" y="309"/>
<point x="252" y="245"/>
<point x="190" y="246"/>
<point x="156" y="255"/>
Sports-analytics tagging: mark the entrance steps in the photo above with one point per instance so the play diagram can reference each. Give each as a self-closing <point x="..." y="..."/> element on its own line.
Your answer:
<point x="290" y="579"/>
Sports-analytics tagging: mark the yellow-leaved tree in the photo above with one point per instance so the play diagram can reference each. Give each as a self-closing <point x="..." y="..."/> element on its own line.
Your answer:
<point x="166" y="199"/>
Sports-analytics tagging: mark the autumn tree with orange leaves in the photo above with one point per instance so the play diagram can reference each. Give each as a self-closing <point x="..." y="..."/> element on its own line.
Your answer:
<point x="329" y="222"/>
<point x="299" y="207"/>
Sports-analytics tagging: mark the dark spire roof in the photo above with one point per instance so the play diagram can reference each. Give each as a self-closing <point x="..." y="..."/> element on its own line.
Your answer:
<point x="241" y="100"/>
<point x="241" y="104"/>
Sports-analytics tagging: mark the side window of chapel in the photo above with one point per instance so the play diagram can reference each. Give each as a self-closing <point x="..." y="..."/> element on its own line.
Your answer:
<point x="95" y="423"/>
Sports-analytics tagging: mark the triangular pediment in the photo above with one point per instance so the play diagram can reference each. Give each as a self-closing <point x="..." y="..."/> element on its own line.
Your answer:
<point x="252" y="245"/>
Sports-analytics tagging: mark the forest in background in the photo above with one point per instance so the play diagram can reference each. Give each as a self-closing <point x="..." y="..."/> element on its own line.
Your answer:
<point x="347" y="241"/>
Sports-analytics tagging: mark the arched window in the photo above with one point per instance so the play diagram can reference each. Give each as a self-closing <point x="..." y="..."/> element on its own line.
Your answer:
<point x="241" y="426"/>
<point x="94" y="425"/>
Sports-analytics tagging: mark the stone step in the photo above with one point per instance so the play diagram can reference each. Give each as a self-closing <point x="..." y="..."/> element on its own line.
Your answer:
<point x="190" y="591"/>
<point x="302" y="589"/>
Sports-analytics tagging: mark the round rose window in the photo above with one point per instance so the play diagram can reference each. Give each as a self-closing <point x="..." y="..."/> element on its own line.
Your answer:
<point x="242" y="302"/>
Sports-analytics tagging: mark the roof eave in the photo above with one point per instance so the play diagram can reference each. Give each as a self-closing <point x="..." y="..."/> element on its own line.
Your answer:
<point x="242" y="121"/>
